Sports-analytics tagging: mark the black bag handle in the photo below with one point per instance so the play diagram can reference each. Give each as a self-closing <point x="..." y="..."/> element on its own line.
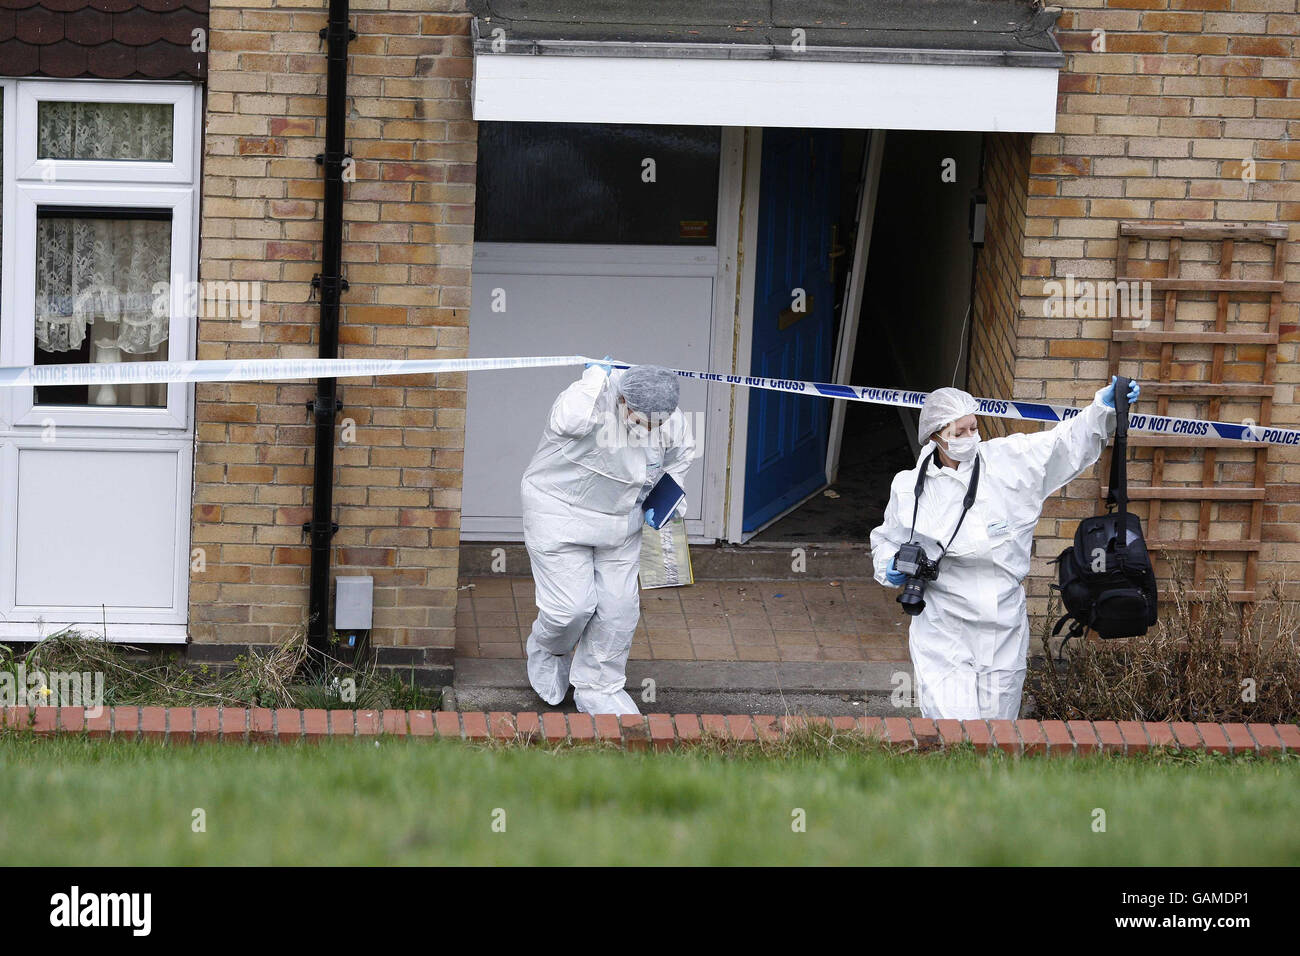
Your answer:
<point x="1118" y="494"/>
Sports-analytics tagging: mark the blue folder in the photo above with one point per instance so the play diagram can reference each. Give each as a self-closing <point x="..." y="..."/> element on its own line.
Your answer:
<point x="663" y="498"/>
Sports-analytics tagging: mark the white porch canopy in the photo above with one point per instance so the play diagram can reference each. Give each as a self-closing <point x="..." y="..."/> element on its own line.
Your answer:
<point x="986" y="65"/>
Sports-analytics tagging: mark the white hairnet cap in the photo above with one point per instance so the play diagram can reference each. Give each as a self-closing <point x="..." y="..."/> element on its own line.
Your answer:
<point x="650" y="389"/>
<point x="942" y="407"/>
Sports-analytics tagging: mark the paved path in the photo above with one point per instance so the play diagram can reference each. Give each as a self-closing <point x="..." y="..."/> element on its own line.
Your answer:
<point x="758" y="621"/>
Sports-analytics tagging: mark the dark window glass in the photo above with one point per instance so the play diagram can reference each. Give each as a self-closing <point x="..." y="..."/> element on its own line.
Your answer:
<point x="586" y="182"/>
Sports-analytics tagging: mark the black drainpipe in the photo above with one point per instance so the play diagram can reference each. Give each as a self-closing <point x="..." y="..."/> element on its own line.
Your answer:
<point x="331" y="285"/>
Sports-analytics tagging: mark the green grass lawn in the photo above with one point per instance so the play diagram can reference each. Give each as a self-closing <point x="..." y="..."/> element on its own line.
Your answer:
<point x="74" y="802"/>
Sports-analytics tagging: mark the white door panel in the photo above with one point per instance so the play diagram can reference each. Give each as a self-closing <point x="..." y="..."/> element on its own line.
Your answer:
<point x="97" y="527"/>
<point x="644" y="304"/>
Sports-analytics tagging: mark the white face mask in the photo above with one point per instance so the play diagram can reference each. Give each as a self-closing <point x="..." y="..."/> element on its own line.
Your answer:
<point x="963" y="449"/>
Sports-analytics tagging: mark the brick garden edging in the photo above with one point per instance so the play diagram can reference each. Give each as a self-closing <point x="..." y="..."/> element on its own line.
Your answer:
<point x="660" y="731"/>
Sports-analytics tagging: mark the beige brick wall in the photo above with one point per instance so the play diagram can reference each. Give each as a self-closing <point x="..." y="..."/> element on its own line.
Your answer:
<point x="407" y="252"/>
<point x="995" y="326"/>
<point x="1157" y="126"/>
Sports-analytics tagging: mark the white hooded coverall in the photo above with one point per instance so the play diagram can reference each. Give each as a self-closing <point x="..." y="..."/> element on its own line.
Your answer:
<point x="970" y="645"/>
<point x="582" y="526"/>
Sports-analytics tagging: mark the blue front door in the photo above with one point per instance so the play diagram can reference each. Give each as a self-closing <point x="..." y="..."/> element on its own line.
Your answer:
<point x="793" y="333"/>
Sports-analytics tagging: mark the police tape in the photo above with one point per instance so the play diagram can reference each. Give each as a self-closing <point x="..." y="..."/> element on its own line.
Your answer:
<point x="259" y="370"/>
<point x="256" y="370"/>
<point x="1190" y="428"/>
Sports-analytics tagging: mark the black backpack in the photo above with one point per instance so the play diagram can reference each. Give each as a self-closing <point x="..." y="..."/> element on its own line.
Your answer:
<point x="1106" y="579"/>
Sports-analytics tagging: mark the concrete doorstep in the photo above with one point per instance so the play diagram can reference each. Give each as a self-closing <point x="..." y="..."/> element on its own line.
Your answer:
<point x="815" y="688"/>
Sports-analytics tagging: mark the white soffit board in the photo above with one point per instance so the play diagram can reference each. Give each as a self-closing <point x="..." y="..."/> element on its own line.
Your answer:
<point x="717" y="92"/>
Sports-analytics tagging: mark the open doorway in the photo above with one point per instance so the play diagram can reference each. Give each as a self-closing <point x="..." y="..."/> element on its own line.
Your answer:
<point x="809" y="194"/>
<point x="912" y="326"/>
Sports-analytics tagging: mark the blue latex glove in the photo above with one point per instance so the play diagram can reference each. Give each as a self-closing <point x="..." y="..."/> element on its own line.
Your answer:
<point x="602" y="365"/>
<point x="893" y="575"/>
<point x="650" y="517"/>
<point x="1108" y="394"/>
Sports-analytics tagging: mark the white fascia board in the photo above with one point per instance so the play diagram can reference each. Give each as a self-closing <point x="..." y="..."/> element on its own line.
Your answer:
<point x="793" y="93"/>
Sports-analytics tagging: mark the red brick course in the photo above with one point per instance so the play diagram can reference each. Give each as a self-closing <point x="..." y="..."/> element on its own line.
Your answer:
<point x="657" y="731"/>
<point x="662" y="734"/>
<point x="870" y="727"/>
<point x="977" y="732"/>
<point x="476" y="727"/>
<point x="315" y="724"/>
<point x="1085" y="737"/>
<point x="687" y="727"/>
<point x="1216" y="741"/>
<point x="554" y="728"/>
<point x="607" y="727"/>
<point x="581" y="727"/>
<point x="765" y="725"/>
<point x="1112" y="741"/>
<point x="395" y="722"/>
<point x="288" y="724"/>
<point x="180" y="725"/>
<point x="421" y="723"/>
<point x="528" y="726"/>
<point x="99" y="725"/>
<point x="1033" y="736"/>
<point x="261" y="724"/>
<point x="1160" y="735"/>
<point x="1185" y="734"/>
<point x="1005" y="736"/>
<point x="899" y="733"/>
<point x="72" y="719"/>
<point x="207" y="723"/>
<point x="927" y="734"/>
<point x="342" y="723"/>
<point x="1135" y="739"/>
<point x="153" y="722"/>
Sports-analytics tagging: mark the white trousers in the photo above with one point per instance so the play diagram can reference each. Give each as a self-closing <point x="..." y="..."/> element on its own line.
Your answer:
<point x="962" y="693"/>
<point x="588" y="606"/>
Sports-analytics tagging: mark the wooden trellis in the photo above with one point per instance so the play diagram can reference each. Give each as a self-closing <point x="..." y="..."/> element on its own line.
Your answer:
<point x="1209" y="390"/>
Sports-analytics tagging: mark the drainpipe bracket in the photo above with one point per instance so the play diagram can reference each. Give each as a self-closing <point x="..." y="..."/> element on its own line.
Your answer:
<point x="337" y="158"/>
<point x="313" y="527"/>
<point x="320" y="407"/>
<point x="326" y="283"/>
<point x="335" y="32"/>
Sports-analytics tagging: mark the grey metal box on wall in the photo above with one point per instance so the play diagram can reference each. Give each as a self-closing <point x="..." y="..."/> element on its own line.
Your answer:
<point x="354" y="602"/>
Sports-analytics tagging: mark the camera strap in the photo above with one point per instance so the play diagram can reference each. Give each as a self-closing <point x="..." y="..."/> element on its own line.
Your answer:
<point x="965" y="505"/>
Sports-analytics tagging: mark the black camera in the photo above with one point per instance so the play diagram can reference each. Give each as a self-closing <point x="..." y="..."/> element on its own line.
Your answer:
<point x="916" y="564"/>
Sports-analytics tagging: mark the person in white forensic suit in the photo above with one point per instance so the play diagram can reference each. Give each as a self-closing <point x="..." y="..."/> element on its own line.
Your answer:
<point x="970" y="643"/>
<point x="608" y="438"/>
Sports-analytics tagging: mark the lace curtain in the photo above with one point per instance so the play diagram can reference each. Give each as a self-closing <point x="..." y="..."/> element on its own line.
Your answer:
<point x="99" y="275"/>
<point x="124" y="131"/>
<point x="96" y="274"/>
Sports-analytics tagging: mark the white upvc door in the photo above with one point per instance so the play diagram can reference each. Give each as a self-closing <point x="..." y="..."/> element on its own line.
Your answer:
<point x="95" y="484"/>
<point x="558" y="284"/>
<point x="634" y="303"/>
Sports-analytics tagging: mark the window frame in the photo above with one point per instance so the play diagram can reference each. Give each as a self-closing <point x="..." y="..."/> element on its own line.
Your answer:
<point x="29" y="201"/>
<point x="86" y="183"/>
<point x="180" y="96"/>
<point x="8" y="141"/>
